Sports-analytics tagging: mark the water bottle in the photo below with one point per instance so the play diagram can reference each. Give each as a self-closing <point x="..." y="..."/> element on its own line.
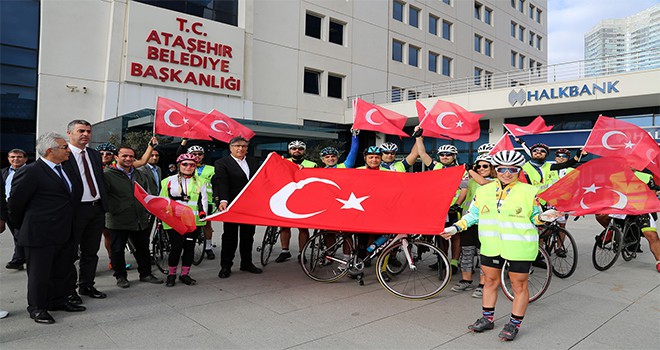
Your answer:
<point x="380" y="240"/>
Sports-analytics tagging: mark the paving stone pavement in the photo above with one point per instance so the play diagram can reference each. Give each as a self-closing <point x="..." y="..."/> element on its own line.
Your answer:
<point x="283" y="309"/>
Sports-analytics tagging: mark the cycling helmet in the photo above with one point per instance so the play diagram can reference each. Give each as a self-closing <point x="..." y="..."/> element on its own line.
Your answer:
<point x="186" y="156"/>
<point x="484" y="158"/>
<point x="329" y="151"/>
<point x="540" y="145"/>
<point x="508" y="158"/>
<point x="563" y="151"/>
<point x="485" y="148"/>
<point x="107" y="147"/>
<point x="448" y="149"/>
<point x="389" y="147"/>
<point x="297" y="143"/>
<point x="192" y="149"/>
<point x="372" y="150"/>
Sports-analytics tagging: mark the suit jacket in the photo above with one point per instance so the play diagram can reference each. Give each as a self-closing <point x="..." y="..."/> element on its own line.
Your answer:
<point x="71" y="168"/>
<point x="229" y="178"/>
<point x="40" y="206"/>
<point x="152" y="185"/>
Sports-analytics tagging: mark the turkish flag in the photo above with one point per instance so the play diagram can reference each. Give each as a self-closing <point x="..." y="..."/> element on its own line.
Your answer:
<point x="175" y="119"/>
<point x="615" y="138"/>
<point x="180" y="217"/>
<point x="602" y="186"/>
<point x="449" y="120"/>
<point x="422" y="112"/>
<point x="367" y="116"/>
<point x="353" y="200"/>
<point x="504" y="144"/>
<point x="216" y="125"/>
<point x="537" y="126"/>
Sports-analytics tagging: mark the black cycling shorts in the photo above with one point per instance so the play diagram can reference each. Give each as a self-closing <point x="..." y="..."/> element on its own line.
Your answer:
<point x="497" y="262"/>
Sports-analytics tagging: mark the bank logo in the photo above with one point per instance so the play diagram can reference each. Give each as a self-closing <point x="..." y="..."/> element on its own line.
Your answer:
<point x="518" y="97"/>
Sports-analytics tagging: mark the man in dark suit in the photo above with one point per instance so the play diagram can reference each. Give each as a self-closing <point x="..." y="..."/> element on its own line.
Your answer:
<point x="90" y="203"/>
<point x="40" y="205"/>
<point x="17" y="159"/>
<point x="153" y="173"/>
<point x="232" y="173"/>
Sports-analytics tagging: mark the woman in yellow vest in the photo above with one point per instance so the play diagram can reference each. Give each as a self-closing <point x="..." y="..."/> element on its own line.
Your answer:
<point x="188" y="189"/>
<point x="507" y="213"/>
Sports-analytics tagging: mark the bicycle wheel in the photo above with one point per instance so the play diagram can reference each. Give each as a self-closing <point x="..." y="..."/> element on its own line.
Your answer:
<point x="562" y="249"/>
<point x="538" y="279"/>
<point x="417" y="281"/>
<point x="323" y="260"/>
<point x="631" y="241"/>
<point x="200" y="245"/>
<point x="161" y="249"/>
<point x="270" y="239"/>
<point x="606" y="249"/>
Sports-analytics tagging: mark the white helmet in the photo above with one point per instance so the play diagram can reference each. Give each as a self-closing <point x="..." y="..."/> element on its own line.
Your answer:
<point x="389" y="147"/>
<point x="192" y="149"/>
<point x="485" y="148"/>
<point x="508" y="158"/>
<point x="484" y="158"/>
<point x="448" y="149"/>
<point x="297" y="143"/>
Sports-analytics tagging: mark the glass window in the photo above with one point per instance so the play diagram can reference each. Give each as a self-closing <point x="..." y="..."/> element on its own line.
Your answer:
<point x="538" y="15"/>
<point x="412" y="95"/>
<point x="477" y="43"/>
<point x="477" y="75"/>
<point x="446" y="66"/>
<point x="17" y="56"/>
<point x="513" y="3"/>
<point x="433" y="24"/>
<point x="477" y="10"/>
<point x="336" y="32"/>
<point x="521" y="6"/>
<point x="531" y="11"/>
<point x="521" y="61"/>
<point x="413" y="56"/>
<point x="488" y="16"/>
<point x="531" y="38"/>
<point x="396" y="94"/>
<point x="514" y="56"/>
<point x="488" y="80"/>
<point x="398" y="10"/>
<point x="514" y="27"/>
<point x="313" y="25"/>
<point x="19" y="23"/>
<point x="488" y="48"/>
<point x="448" y="2"/>
<point x="397" y="51"/>
<point x="538" y="42"/>
<point x="413" y="17"/>
<point x="335" y="86"/>
<point x="446" y="30"/>
<point x="18" y="76"/>
<point x="312" y="82"/>
<point x="521" y="33"/>
<point x="433" y="62"/>
<point x="225" y="11"/>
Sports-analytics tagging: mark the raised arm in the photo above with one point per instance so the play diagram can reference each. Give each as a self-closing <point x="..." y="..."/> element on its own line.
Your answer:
<point x="145" y="157"/>
<point x="421" y="150"/>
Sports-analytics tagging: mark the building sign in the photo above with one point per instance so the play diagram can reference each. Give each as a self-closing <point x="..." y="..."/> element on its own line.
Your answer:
<point x="520" y="96"/>
<point x="176" y="50"/>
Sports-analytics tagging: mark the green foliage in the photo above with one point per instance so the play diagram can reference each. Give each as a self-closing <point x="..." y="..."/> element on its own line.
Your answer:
<point x="138" y="140"/>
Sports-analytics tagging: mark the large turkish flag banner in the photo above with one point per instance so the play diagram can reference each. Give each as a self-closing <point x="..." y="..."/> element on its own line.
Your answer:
<point x="537" y="126"/>
<point x="218" y="126"/>
<point x="353" y="200"/>
<point x="175" y="119"/>
<point x="615" y="138"/>
<point x="367" y="116"/>
<point x="180" y="217"/>
<point x="449" y="120"/>
<point x="602" y="186"/>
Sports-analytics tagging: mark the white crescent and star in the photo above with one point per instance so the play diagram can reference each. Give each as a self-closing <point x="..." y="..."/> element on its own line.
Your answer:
<point x="441" y="116"/>
<point x="216" y="122"/>
<point x="620" y="204"/>
<point x="278" y="201"/>
<point x="609" y="134"/>
<point x="367" y="116"/>
<point x="650" y="157"/>
<point x="149" y="197"/>
<point x="168" y="121"/>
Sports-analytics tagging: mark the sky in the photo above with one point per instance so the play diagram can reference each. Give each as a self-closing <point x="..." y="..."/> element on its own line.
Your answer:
<point x="569" y="20"/>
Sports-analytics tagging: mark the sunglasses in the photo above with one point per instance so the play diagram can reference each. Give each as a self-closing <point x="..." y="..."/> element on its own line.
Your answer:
<point x="482" y="166"/>
<point x="562" y="156"/>
<point x="197" y="154"/>
<point x="445" y="154"/>
<point x="107" y="154"/>
<point x="512" y="171"/>
<point x="188" y="165"/>
<point x="539" y="150"/>
<point x="297" y="148"/>
<point x="388" y="152"/>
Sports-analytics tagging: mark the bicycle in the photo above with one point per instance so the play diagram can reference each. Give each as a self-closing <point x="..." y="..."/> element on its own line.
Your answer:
<point x="406" y="266"/>
<point x="200" y="247"/>
<point x="561" y="247"/>
<point x="160" y="247"/>
<point x="538" y="279"/>
<point x="622" y="236"/>
<point x="271" y="236"/>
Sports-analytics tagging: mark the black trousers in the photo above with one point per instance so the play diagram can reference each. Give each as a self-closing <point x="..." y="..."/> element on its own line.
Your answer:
<point x="182" y="243"/>
<point x="140" y="239"/>
<point x="230" y="243"/>
<point x="19" y="252"/>
<point x="48" y="270"/>
<point x="87" y="231"/>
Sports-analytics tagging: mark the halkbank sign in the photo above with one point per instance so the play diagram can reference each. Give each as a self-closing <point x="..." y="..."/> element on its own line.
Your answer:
<point x="519" y="97"/>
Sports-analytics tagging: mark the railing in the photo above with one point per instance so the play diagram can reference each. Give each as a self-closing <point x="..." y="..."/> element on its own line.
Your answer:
<point x="600" y="66"/>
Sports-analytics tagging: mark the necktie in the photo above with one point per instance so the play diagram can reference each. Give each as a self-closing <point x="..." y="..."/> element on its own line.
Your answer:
<point x="155" y="171"/>
<point x="88" y="175"/>
<point x="58" y="167"/>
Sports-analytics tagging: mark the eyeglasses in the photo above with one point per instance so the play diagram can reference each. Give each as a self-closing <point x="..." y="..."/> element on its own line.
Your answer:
<point x="389" y="152"/>
<point x="445" y="154"/>
<point x="297" y="149"/>
<point x="512" y="171"/>
<point x="240" y="146"/>
<point x="562" y="156"/>
<point x="188" y="165"/>
<point x="197" y="154"/>
<point x="61" y="147"/>
<point x="482" y="166"/>
<point x="539" y="150"/>
<point x="107" y="154"/>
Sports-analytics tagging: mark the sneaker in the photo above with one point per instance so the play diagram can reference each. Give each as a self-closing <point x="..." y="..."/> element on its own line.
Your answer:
<point x="462" y="286"/>
<point x="151" y="279"/>
<point x="481" y="325"/>
<point x="122" y="282"/>
<point x="187" y="280"/>
<point x="560" y="252"/>
<point x="478" y="292"/>
<point x="210" y="255"/>
<point x="283" y="257"/>
<point x="171" y="280"/>
<point x="509" y="332"/>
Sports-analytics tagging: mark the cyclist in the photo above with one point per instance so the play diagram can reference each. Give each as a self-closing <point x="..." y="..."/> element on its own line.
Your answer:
<point x="373" y="159"/>
<point x="481" y="174"/>
<point x="507" y="213"/>
<point x="561" y="156"/>
<point x="188" y="189"/>
<point x="537" y="171"/>
<point x="297" y="156"/>
<point x="329" y="155"/>
<point x="388" y="157"/>
<point x="205" y="173"/>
